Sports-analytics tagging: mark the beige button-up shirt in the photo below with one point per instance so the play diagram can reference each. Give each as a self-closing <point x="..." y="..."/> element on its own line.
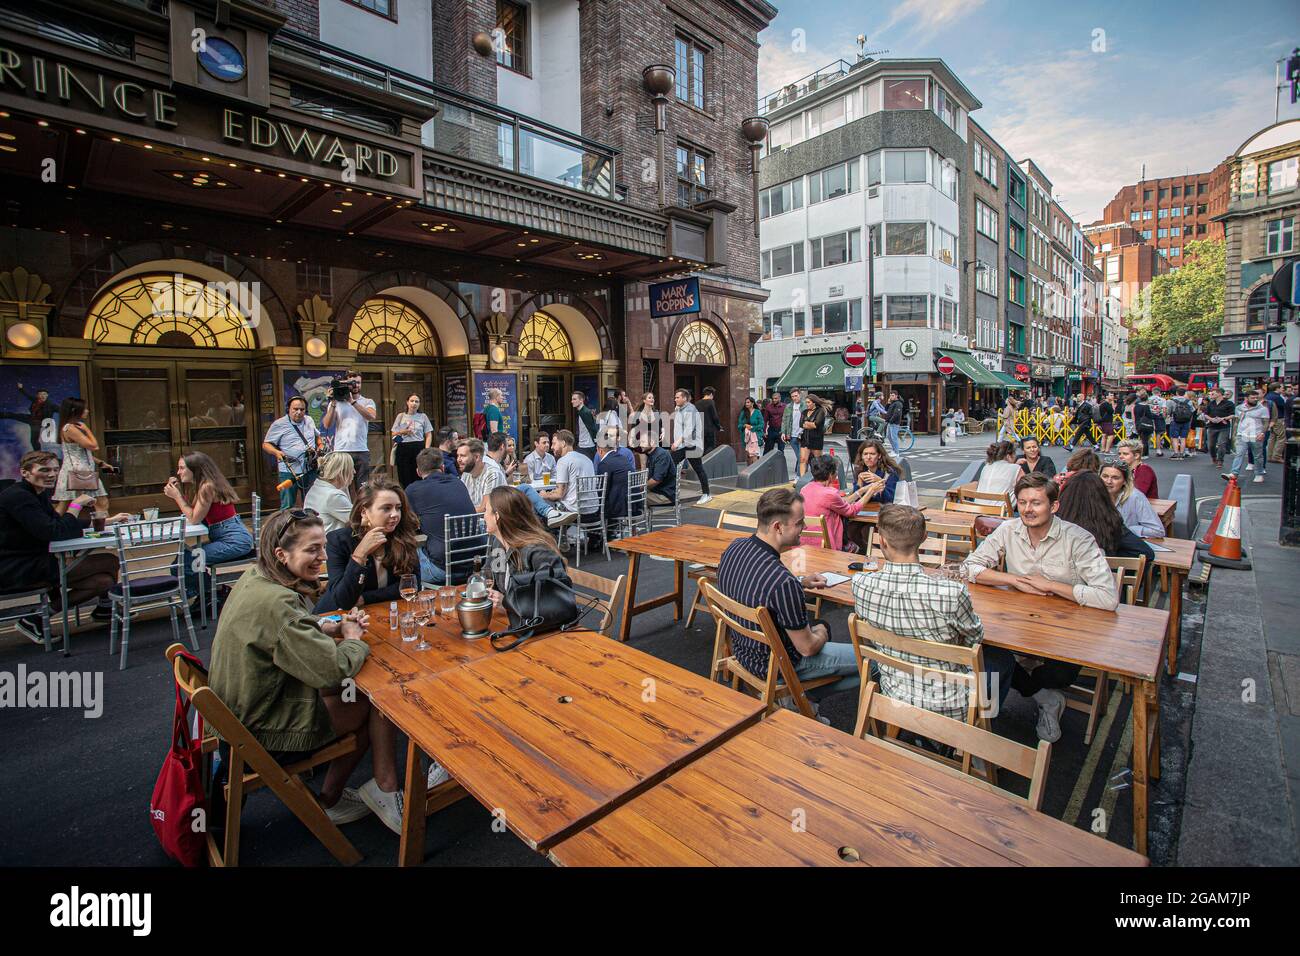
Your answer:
<point x="1068" y="555"/>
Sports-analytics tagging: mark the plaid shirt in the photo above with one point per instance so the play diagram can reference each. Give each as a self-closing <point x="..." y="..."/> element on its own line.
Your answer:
<point x="904" y="600"/>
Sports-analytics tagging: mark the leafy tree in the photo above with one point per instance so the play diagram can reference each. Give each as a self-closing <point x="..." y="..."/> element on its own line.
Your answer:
<point x="1180" y="308"/>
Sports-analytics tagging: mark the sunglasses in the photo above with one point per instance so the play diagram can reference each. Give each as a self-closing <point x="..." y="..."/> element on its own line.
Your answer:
<point x="295" y="516"/>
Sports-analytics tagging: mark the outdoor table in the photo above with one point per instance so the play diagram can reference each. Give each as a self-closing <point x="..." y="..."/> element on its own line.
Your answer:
<point x="1176" y="563"/>
<point x="1128" y="642"/>
<point x="558" y="732"/>
<point x="71" y="552"/>
<point x="1163" y="507"/>
<point x="863" y="802"/>
<point x="931" y="514"/>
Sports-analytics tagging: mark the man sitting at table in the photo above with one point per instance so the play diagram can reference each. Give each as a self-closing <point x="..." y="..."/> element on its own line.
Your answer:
<point x="611" y="461"/>
<point x="902" y="599"/>
<point x="479" y="473"/>
<point x="750" y="572"/>
<point x="1047" y="556"/>
<point x="540" y="459"/>
<point x="553" y="503"/>
<point x="436" y="495"/>
<point x="29" y="523"/>
<point x="661" y="476"/>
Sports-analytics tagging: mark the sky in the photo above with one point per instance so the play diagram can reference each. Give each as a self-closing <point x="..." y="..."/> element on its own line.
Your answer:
<point x="1090" y="92"/>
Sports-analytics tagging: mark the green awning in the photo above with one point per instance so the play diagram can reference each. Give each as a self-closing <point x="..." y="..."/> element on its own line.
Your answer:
<point x="973" y="369"/>
<point x="1009" y="381"/>
<point x="823" y="372"/>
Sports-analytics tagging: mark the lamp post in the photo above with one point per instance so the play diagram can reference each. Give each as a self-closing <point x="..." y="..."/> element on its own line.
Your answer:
<point x="979" y="267"/>
<point x="754" y="129"/>
<point x="659" y="80"/>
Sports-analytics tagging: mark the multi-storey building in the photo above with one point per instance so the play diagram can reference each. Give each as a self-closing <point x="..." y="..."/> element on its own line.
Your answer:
<point x="1016" y="356"/>
<point x="984" y="256"/>
<point x="1061" y="316"/>
<point x="1172" y="211"/>
<point x="447" y="195"/>
<point x="871" y="156"/>
<point x="1127" y="262"/>
<point x="1261" y="222"/>
<point x="1039" y="263"/>
<point x="1114" y="340"/>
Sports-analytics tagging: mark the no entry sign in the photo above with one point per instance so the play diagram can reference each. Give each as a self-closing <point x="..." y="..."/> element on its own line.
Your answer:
<point x="855" y="355"/>
<point x="945" y="365"/>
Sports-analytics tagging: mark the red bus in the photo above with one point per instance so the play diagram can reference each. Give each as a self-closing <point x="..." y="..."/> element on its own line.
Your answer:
<point x="1153" y="380"/>
<point x="1202" y="381"/>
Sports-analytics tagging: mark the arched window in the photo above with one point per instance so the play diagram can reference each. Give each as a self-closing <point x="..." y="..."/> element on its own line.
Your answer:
<point x="172" y="310"/>
<point x="543" y="338"/>
<point x="390" y="327"/>
<point x="700" y="344"/>
<point x="1263" y="311"/>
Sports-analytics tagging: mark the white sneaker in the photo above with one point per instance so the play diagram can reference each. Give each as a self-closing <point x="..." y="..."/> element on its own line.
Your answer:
<point x="1050" y="705"/>
<point x="556" y="518"/>
<point x="703" y="499"/>
<point x="387" y="806"/>
<point x="1250" y="466"/>
<point x="349" y="808"/>
<point x="438" y="774"/>
<point x="1260" y="477"/>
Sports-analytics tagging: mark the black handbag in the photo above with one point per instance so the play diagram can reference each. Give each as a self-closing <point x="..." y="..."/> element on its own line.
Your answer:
<point x="538" y="602"/>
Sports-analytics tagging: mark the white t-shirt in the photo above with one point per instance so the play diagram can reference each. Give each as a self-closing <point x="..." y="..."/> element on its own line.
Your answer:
<point x="350" y="427"/>
<point x="1000" y="477"/>
<point x="568" y="470"/>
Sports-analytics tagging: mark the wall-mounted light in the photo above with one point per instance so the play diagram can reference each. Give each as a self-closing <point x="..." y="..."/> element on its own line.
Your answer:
<point x="316" y="347"/>
<point x="24" y="335"/>
<point x="498" y="355"/>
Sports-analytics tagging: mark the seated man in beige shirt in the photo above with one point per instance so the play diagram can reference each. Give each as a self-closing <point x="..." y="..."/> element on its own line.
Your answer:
<point x="1045" y="555"/>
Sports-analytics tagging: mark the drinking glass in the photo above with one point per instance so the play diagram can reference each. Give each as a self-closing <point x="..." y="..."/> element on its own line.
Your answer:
<point x="407" y="588"/>
<point x="546" y="478"/>
<point x="409" y="630"/>
<point x="447" y="601"/>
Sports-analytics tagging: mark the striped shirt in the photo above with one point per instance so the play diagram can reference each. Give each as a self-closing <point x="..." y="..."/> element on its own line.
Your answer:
<point x="751" y="573"/>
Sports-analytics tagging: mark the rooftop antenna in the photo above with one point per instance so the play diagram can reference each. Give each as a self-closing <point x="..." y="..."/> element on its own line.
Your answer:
<point x="862" y="48"/>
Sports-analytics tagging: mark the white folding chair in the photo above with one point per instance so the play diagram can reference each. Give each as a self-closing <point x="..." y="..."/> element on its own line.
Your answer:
<point x="151" y="575"/>
<point x="667" y="516"/>
<point x="465" y="538"/>
<point x="591" y="514"/>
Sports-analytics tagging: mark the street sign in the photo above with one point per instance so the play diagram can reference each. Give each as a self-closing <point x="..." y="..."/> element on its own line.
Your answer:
<point x="945" y="365"/>
<point x="855" y="355"/>
<point x="852" y="380"/>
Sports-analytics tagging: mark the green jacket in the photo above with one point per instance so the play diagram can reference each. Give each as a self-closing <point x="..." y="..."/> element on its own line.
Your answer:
<point x="270" y="660"/>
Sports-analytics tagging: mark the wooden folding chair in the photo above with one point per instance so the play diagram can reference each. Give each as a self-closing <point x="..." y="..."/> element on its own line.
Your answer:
<point x="730" y="614"/>
<point x="1000" y="499"/>
<point x="265" y="771"/>
<point x="815" y="527"/>
<point x="700" y="572"/>
<point x="608" y="594"/>
<point x="933" y="552"/>
<point x="966" y="507"/>
<point x="960" y="538"/>
<point x="867" y="643"/>
<point x="994" y="750"/>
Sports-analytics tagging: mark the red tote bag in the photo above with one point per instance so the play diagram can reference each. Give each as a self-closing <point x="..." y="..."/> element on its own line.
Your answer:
<point x="178" y="810"/>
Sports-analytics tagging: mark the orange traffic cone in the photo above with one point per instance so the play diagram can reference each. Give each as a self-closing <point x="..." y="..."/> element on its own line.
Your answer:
<point x="1208" y="540"/>
<point x="1225" y="549"/>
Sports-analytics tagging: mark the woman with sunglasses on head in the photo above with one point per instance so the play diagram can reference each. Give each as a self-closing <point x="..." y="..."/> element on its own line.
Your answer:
<point x="204" y="496"/>
<point x="368" y="558"/>
<point x="512" y="520"/>
<point x="1134" y="507"/>
<point x="279" y="668"/>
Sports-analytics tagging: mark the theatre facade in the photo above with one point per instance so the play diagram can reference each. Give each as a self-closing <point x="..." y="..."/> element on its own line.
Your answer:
<point x="206" y="214"/>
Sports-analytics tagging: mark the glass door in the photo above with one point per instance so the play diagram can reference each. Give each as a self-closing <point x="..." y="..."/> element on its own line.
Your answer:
<point x="216" y="420"/>
<point x="546" y="404"/>
<point x="389" y="388"/>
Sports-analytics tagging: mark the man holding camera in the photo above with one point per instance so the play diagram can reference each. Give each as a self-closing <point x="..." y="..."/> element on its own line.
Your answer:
<point x="350" y="414"/>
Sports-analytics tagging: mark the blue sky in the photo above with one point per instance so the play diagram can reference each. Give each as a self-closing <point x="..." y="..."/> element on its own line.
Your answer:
<point x="1178" y="86"/>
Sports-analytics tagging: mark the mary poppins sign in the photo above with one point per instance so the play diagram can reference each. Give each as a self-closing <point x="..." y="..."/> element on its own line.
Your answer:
<point x="675" y="298"/>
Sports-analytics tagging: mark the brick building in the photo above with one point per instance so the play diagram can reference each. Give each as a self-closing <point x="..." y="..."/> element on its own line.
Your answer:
<point x="984" y="248"/>
<point x="1172" y="211"/>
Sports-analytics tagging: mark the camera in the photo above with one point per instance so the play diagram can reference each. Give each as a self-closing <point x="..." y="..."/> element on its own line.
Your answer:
<point x="340" y="390"/>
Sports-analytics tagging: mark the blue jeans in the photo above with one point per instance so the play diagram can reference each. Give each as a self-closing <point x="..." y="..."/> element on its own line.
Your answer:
<point x="832" y="659"/>
<point x="430" y="573"/>
<point x="540" y="505"/>
<point x="227" y="540"/>
<point x="893" y="437"/>
<point x="1253" y="448"/>
<point x="289" y="497"/>
<point x="794" y="445"/>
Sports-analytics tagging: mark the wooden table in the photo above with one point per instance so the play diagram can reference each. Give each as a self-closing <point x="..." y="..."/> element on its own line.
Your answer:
<point x="558" y="732"/>
<point x="737" y="806"/>
<point x="1128" y="643"/>
<point x="1164" y="509"/>
<point x="1176" y="564"/>
<point x="962" y="518"/>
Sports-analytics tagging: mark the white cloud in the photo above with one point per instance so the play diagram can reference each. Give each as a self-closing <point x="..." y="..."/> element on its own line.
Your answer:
<point x="925" y="18"/>
<point x="780" y="63"/>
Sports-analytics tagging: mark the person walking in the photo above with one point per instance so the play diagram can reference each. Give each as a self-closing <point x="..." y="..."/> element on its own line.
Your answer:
<point x="813" y="428"/>
<point x="773" y="416"/>
<point x="79" y="472"/>
<point x="1082" y="422"/>
<point x="789" y="433"/>
<point x="1181" y="413"/>
<point x="894" y="419"/>
<point x="1144" y="420"/>
<point x="688" y="438"/>
<point x="1006" y="430"/>
<point x="749" y="424"/>
<point x="1252" y="427"/>
<point x="1277" y="422"/>
<point x="293" y="441"/>
<point x="709" y="419"/>
<point x="1160" y="417"/>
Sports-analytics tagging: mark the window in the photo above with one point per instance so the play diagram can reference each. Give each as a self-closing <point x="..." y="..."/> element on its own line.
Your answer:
<point x="905" y="166"/>
<point x="1187" y="210"/>
<point x="692" y="175"/>
<point x="985" y="165"/>
<point x="786" y="133"/>
<point x="986" y="220"/>
<point x="1175" y="212"/>
<point x="382" y="7"/>
<point x="986" y="279"/>
<point x="1017" y="187"/>
<point x="947" y="316"/>
<point x="945" y="246"/>
<point x="1016" y="237"/>
<point x="908" y="311"/>
<point x="1134" y="216"/>
<point x="1164" y="213"/>
<point x="172" y="310"/>
<point x="1175" y="251"/>
<point x="831" y="183"/>
<point x="1145" y="233"/>
<point x="945" y="107"/>
<point x="1163" y="252"/>
<point x="512" y="36"/>
<point x="904" y="94"/>
<point x="1175" y="230"/>
<point x="1146" y="195"/>
<point x="1146" y="213"/>
<point x="1162" y="233"/>
<point x="873" y="168"/>
<point x="543" y="338"/>
<point x="1016" y="288"/>
<point x="838" y="316"/>
<point x="778" y="199"/>
<point x="1200" y="189"/>
<point x="1178" y="191"/>
<point x="945" y="177"/>
<point x="1164" y="193"/>
<point x="1112" y="269"/>
<point x="700" y="344"/>
<point x="782" y="261"/>
<point x="831" y="115"/>
<point x="1282" y="175"/>
<point x="905" y="238"/>
<point x="689" y="64"/>
<point x="1105" y="247"/>
<point x="1280" y="236"/>
<point x="1200" y="229"/>
<point x="1200" y="209"/>
<point x="837" y="249"/>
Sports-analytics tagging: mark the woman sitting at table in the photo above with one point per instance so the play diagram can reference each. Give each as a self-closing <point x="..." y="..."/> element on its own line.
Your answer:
<point x="328" y="494"/>
<point x="1032" y="458"/>
<point x="877" y="469"/>
<point x="821" y="499"/>
<point x="204" y="496"/>
<point x="1000" y="472"/>
<point x="512" y="520"/>
<point x="1144" y="476"/>
<point x="368" y="558"/>
<point x="279" y="668"/>
<point x="1134" y="507"/>
<point x="1086" y="502"/>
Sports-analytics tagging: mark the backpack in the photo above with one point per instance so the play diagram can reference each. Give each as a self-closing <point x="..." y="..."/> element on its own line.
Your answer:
<point x="480" y="426"/>
<point x="1181" y="410"/>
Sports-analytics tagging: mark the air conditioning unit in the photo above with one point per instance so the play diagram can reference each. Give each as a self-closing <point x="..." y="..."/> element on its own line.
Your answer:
<point x="873" y="192"/>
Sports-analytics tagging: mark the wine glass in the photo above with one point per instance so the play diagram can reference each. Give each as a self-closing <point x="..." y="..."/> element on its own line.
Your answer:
<point x="424" y="611"/>
<point x="407" y="587"/>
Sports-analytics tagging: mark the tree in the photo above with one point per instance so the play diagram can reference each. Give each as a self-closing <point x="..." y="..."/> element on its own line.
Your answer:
<point x="1180" y="308"/>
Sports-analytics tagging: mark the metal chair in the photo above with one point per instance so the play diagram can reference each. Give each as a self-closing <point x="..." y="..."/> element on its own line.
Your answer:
<point x="465" y="538"/>
<point x="591" y="514"/>
<point x="151" y="556"/>
<point x="667" y="516"/>
<point x="638" y="511"/>
<point x="19" y="604"/>
<point x="219" y="574"/>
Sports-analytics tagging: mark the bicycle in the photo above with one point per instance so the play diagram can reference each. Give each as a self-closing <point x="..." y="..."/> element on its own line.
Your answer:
<point x="905" y="437"/>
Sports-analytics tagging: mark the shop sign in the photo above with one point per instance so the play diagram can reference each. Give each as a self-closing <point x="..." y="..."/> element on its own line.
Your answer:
<point x="1021" y="372"/>
<point x="1242" y="345"/>
<point x="681" y="297"/>
<point x="1041" y="370"/>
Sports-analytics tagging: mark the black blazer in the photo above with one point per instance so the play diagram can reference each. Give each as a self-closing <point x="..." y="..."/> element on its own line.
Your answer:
<point x="350" y="581"/>
<point x="28" y="523"/>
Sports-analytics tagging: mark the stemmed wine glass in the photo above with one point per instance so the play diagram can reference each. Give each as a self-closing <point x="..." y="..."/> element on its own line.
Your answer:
<point x="407" y="587"/>
<point x="424" y="612"/>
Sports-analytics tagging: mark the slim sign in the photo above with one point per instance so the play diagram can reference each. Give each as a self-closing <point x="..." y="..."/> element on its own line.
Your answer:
<point x="675" y="298"/>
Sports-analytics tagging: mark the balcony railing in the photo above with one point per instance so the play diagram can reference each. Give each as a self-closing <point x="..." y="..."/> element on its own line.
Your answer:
<point x="804" y="86"/>
<point x="467" y="126"/>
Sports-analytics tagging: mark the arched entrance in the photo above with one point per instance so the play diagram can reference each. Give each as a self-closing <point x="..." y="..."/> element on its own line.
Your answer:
<point x="546" y="353"/>
<point x="700" y="360"/>
<point x="149" y="401"/>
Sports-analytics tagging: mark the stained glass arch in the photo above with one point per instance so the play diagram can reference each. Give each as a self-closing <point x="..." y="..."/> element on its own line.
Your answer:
<point x="173" y="310"/>
<point x="390" y="327"/>
<point x="544" y="338"/>
<point x="700" y="344"/>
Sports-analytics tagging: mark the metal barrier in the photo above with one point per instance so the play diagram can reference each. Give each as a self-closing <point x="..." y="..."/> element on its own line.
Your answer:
<point x="1051" y="428"/>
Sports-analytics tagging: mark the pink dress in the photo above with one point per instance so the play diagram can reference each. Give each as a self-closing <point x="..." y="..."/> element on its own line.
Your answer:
<point x="827" y="502"/>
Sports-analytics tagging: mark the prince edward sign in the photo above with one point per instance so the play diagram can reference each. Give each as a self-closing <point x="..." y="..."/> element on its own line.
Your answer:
<point x="675" y="298"/>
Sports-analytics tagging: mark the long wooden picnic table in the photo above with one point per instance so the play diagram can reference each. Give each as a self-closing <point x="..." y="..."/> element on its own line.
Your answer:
<point x="791" y="792"/>
<point x="1163" y="507"/>
<point x="1128" y="643"/>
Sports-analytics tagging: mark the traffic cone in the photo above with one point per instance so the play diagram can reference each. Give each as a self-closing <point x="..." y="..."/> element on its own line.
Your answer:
<point x="1208" y="540"/>
<point x="1225" y="549"/>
